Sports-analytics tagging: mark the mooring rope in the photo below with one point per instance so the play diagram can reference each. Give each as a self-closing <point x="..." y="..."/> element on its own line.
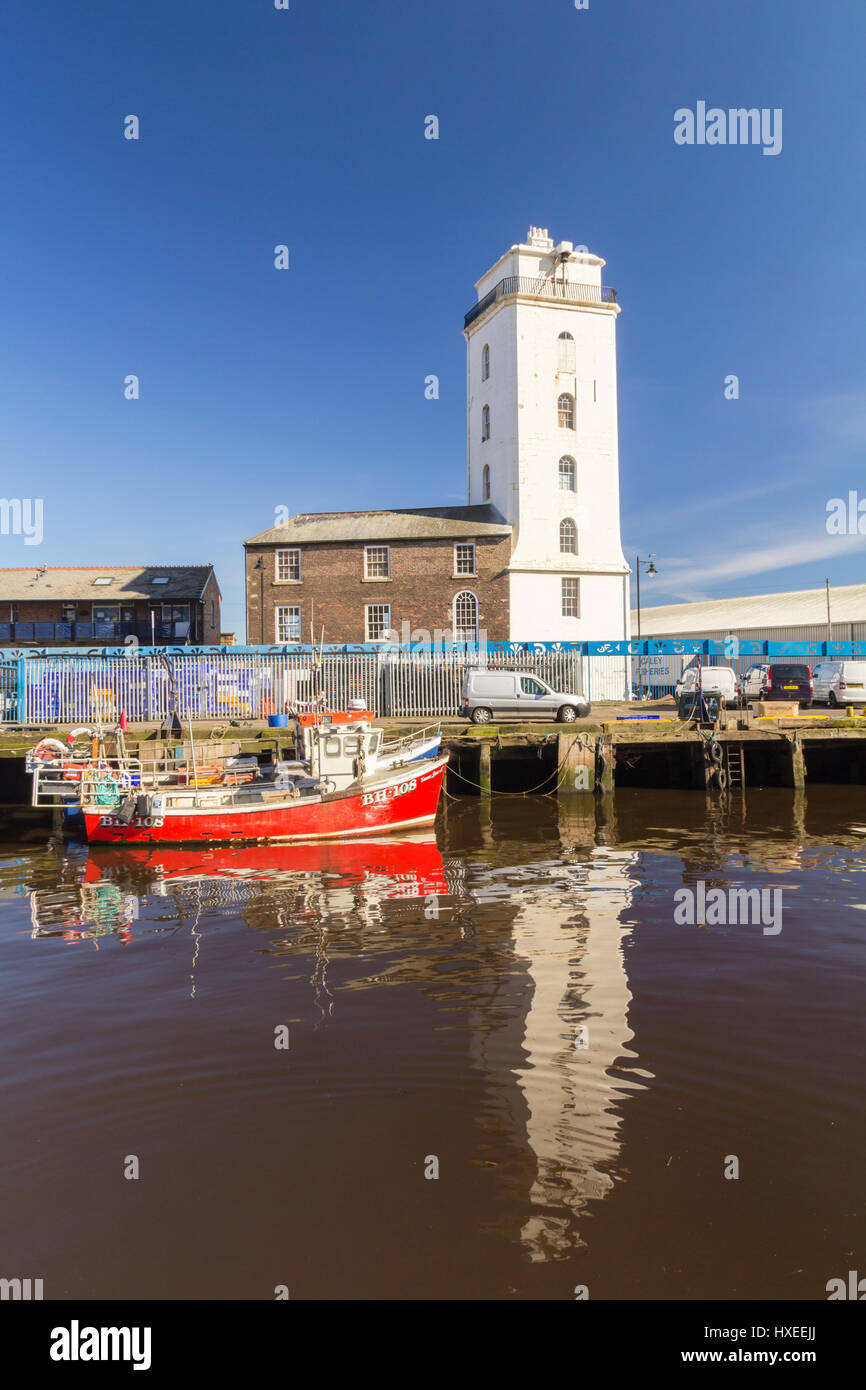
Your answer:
<point x="558" y="772"/>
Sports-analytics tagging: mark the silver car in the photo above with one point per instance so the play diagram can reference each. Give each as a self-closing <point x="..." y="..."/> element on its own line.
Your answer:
<point x="516" y="694"/>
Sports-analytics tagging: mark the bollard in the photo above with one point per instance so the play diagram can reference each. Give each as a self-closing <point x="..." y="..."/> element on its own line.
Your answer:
<point x="798" y="764"/>
<point x="484" y="774"/>
<point x="576" y="765"/>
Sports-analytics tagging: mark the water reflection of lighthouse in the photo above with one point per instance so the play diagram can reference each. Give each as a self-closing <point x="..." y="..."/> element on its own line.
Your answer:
<point x="569" y="932"/>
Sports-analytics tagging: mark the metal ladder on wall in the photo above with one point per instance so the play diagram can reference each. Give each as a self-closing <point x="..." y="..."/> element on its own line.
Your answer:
<point x="736" y="765"/>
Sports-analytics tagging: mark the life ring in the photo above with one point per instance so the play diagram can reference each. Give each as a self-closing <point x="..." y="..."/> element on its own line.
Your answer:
<point x="48" y="750"/>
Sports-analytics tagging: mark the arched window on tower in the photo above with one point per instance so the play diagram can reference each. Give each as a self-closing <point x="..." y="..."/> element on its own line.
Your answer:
<point x="567" y="474"/>
<point x="565" y="411"/>
<point x="465" y="617"/>
<point x="485" y="362"/>
<point x="485" y="482"/>
<point x="565" y="344"/>
<point x="567" y="537"/>
<point x="485" y="422"/>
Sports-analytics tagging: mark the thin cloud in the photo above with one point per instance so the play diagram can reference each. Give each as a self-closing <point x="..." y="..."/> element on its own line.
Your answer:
<point x="693" y="577"/>
<point x="668" y="515"/>
<point x="840" y="417"/>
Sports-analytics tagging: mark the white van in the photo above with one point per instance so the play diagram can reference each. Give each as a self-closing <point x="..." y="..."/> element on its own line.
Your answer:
<point x="496" y="694"/>
<point x="715" y="680"/>
<point x="753" y="684"/>
<point x="839" y="683"/>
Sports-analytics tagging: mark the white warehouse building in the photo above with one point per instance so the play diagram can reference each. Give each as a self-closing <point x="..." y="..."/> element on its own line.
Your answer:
<point x="798" y="616"/>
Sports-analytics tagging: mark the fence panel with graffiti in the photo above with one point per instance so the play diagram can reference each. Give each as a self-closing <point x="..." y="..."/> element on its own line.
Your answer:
<point x="250" y="683"/>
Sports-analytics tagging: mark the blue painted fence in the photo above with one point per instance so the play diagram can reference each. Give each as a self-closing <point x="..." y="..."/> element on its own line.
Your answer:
<point x="78" y="686"/>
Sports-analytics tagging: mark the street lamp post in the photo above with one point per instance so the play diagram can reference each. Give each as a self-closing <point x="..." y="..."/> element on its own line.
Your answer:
<point x="651" y="570"/>
<point x="260" y="566"/>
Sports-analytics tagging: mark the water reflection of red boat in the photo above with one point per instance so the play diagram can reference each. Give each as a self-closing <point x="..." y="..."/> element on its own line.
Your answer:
<point x="414" y="864"/>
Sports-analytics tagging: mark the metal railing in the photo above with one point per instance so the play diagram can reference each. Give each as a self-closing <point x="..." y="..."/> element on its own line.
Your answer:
<point x="97" y="632"/>
<point x="400" y="745"/>
<point x="541" y="289"/>
<point x="430" y="684"/>
<point x="418" y="682"/>
<point x="68" y="783"/>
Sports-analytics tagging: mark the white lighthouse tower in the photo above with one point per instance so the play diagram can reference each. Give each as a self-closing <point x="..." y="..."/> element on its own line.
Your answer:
<point x="542" y="428"/>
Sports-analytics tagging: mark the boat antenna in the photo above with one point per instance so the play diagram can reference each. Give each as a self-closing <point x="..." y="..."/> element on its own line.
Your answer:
<point x="192" y="754"/>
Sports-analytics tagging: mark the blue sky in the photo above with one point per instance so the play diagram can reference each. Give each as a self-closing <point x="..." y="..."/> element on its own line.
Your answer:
<point x="306" y="388"/>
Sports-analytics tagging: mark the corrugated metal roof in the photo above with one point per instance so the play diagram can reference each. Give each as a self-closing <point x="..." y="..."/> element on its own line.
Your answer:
<point x="127" y="582"/>
<point x="409" y="523"/>
<point x="800" y="608"/>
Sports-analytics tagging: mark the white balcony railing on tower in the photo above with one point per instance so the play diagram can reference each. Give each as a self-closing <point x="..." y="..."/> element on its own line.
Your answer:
<point x="542" y="289"/>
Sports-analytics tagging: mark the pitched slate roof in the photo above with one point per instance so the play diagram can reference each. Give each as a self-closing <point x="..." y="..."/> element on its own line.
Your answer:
<point x="409" y="523"/>
<point x="76" y="582"/>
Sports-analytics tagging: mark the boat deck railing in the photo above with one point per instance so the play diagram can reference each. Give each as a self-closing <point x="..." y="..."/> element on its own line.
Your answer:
<point x="59" y="783"/>
<point x="418" y="736"/>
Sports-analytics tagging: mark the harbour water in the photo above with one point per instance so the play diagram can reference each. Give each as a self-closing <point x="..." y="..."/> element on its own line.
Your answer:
<point x="485" y="1063"/>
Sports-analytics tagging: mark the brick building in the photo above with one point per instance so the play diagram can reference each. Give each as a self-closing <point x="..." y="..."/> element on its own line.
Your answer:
<point x="364" y="575"/>
<point x="105" y="605"/>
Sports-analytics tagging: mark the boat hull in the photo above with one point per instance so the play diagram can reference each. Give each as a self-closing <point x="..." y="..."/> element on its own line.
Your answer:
<point x="398" y="803"/>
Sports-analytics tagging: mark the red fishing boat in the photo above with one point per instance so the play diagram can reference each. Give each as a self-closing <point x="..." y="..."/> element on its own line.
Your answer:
<point x="334" y="789"/>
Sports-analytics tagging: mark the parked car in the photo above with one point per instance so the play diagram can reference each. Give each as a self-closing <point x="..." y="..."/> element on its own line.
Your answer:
<point x="789" y="681"/>
<point x="839" y="683"/>
<point x="715" y="680"/>
<point x="753" y="684"/>
<point x="499" y="694"/>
